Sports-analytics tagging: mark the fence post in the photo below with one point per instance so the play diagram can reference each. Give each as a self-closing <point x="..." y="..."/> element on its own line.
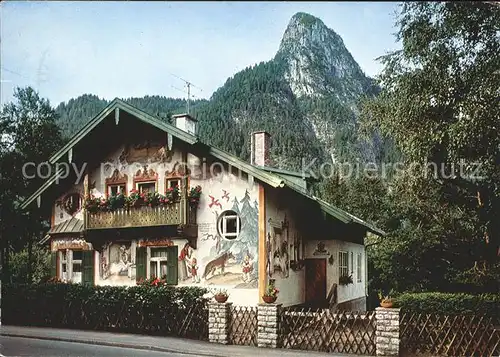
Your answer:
<point x="268" y="324"/>
<point x="219" y="315"/>
<point x="387" y="331"/>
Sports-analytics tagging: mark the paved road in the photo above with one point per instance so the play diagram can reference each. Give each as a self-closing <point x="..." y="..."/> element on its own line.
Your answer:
<point x="17" y="346"/>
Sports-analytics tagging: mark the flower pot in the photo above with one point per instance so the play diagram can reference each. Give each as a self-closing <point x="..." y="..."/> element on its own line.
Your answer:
<point x="269" y="299"/>
<point x="221" y="298"/>
<point x="386" y="304"/>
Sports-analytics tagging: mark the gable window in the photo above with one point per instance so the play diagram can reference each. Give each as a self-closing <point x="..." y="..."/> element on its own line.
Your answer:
<point x="70" y="266"/>
<point x="113" y="190"/>
<point x="229" y="225"/>
<point x="145" y="187"/>
<point x="343" y="263"/>
<point x="359" y="267"/>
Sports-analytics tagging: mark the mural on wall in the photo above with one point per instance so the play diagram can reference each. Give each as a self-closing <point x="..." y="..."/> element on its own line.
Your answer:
<point x="146" y="152"/>
<point x="320" y="249"/>
<point x="186" y="259"/>
<point x="278" y="256"/>
<point x="228" y="261"/>
<point x="117" y="265"/>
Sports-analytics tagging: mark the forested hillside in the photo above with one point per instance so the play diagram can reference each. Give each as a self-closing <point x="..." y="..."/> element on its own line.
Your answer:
<point x="72" y="115"/>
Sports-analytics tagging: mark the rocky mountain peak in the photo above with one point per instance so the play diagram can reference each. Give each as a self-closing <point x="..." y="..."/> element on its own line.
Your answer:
<point x="317" y="61"/>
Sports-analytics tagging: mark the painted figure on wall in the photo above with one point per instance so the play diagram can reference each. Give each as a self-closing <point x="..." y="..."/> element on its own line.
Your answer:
<point x="247" y="269"/>
<point x="117" y="265"/>
<point x="279" y="245"/>
<point x="193" y="267"/>
<point x="184" y="260"/>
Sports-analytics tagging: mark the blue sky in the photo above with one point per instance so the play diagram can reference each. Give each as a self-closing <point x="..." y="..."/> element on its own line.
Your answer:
<point x="129" y="49"/>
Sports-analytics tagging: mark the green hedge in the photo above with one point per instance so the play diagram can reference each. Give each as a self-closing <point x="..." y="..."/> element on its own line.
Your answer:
<point x="449" y="303"/>
<point x="164" y="310"/>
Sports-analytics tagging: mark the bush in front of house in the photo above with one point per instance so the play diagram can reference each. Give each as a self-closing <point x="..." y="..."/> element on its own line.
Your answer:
<point x="165" y="310"/>
<point x="449" y="303"/>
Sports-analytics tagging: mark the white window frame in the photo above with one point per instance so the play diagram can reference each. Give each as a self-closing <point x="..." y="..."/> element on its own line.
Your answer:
<point x="70" y="262"/>
<point x="352" y="263"/>
<point x="359" y="267"/>
<point x="156" y="260"/>
<point x="222" y="226"/>
<point x="343" y="263"/>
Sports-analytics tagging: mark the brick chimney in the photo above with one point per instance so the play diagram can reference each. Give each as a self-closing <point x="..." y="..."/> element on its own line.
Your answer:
<point x="260" y="145"/>
<point x="186" y="123"/>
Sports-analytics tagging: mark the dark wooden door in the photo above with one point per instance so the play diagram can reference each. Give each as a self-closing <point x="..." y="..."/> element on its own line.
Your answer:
<point x="315" y="282"/>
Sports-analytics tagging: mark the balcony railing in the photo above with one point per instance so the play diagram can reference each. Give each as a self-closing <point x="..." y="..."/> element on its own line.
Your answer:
<point x="141" y="217"/>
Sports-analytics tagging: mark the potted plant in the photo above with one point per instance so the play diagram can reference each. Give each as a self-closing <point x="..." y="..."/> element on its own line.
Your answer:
<point x="271" y="293"/>
<point x="385" y="300"/>
<point x="345" y="280"/>
<point x="221" y="296"/>
<point x="194" y="196"/>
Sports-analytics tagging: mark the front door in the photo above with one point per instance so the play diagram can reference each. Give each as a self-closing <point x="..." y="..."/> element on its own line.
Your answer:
<point x="315" y="282"/>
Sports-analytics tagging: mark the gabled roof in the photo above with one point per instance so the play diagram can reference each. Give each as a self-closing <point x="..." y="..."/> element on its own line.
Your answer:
<point x="273" y="177"/>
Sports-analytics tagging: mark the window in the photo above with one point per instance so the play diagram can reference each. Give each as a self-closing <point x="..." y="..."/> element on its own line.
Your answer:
<point x="229" y="225"/>
<point x="343" y="264"/>
<point x="359" y="268"/>
<point x="145" y="187"/>
<point x="158" y="262"/>
<point x="352" y="263"/>
<point x="70" y="265"/>
<point x="171" y="183"/>
<point x="116" y="189"/>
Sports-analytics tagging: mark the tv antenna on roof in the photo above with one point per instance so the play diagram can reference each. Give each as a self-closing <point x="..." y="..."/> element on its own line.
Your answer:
<point x="188" y="84"/>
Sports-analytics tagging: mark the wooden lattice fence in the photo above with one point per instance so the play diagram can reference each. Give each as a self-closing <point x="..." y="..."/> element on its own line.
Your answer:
<point x="243" y="325"/>
<point x="449" y="335"/>
<point x="327" y="331"/>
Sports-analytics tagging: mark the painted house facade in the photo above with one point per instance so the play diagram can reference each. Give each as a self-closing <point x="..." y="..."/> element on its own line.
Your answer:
<point x="217" y="221"/>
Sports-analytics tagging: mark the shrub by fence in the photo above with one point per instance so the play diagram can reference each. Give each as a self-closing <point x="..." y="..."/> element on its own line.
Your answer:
<point x="159" y="310"/>
<point x="449" y="304"/>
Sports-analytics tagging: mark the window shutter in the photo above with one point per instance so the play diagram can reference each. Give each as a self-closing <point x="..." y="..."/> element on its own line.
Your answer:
<point x="88" y="267"/>
<point x="172" y="265"/>
<point x="53" y="264"/>
<point x="140" y="263"/>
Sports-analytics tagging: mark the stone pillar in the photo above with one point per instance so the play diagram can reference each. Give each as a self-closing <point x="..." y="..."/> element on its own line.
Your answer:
<point x="387" y="333"/>
<point x="219" y="315"/>
<point x="268" y="322"/>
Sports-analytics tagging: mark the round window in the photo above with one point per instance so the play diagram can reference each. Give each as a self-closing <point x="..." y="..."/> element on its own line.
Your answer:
<point x="229" y="225"/>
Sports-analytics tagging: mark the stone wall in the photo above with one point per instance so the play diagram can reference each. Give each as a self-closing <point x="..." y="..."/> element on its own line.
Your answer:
<point x="218" y="322"/>
<point x="387" y="331"/>
<point x="268" y="322"/>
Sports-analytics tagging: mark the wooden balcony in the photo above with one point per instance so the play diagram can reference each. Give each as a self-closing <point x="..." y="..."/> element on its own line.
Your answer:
<point x="177" y="214"/>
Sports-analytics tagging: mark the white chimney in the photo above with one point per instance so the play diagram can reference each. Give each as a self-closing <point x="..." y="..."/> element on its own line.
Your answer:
<point x="186" y="123"/>
<point x="260" y="145"/>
